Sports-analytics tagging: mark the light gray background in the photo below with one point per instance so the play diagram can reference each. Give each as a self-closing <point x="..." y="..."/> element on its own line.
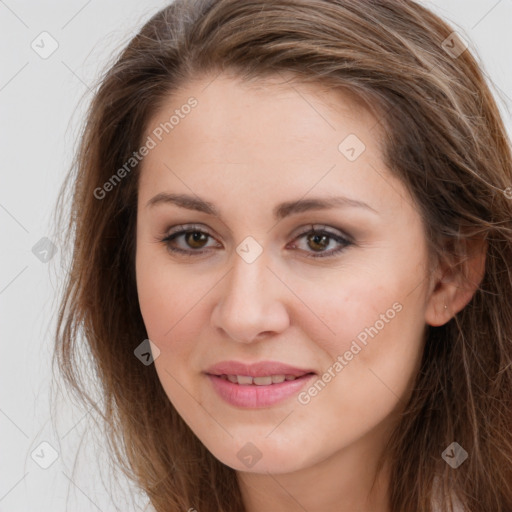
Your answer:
<point x="40" y="120"/>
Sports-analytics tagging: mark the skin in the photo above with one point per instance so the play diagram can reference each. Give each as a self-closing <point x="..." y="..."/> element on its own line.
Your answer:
<point x="246" y="148"/>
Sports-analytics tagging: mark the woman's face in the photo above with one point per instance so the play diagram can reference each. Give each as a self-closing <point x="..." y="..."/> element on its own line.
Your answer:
<point x="243" y="288"/>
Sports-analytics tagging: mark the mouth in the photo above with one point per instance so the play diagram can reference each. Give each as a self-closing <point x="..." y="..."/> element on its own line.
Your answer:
<point x="260" y="385"/>
<point x="246" y="380"/>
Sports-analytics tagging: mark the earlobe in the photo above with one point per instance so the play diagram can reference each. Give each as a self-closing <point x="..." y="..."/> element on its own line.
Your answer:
<point x="457" y="284"/>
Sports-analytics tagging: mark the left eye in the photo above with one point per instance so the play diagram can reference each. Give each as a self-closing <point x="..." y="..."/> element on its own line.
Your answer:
<point x="196" y="239"/>
<point x="321" y="239"/>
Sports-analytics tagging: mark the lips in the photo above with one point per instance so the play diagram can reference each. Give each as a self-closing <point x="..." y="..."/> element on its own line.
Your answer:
<point x="257" y="385"/>
<point x="260" y="369"/>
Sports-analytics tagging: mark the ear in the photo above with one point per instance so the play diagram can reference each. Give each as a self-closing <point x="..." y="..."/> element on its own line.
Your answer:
<point x="454" y="283"/>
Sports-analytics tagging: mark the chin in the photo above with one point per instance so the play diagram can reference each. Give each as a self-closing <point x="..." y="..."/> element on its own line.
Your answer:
<point x="255" y="454"/>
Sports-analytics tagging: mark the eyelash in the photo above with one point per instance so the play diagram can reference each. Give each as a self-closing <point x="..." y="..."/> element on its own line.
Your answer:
<point x="193" y="229"/>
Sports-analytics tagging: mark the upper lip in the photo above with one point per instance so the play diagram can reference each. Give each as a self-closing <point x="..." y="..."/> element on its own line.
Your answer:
<point x="259" y="369"/>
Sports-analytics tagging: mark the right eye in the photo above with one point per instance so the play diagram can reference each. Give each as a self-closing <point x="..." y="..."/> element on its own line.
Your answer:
<point x="193" y="236"/>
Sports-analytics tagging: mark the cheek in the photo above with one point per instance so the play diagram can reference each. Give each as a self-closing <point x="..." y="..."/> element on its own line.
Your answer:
<point x="155" y="301"/>
<point x="167" y="294"/>
<point x="374" y="343"/>
<point x="358" y="308"/>
<point x="166" y="303"/>
<point x="373" y="358"/>
<point x="172" y="303"/>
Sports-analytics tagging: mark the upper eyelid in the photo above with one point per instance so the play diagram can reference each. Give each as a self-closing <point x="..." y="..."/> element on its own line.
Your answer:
<point x="184" y="228"/>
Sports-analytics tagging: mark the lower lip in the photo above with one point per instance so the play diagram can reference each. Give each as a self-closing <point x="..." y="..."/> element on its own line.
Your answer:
<point x="255" y="397"/>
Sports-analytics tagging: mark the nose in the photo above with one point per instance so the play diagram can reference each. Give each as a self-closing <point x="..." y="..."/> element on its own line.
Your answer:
<point x="252" y="304"/>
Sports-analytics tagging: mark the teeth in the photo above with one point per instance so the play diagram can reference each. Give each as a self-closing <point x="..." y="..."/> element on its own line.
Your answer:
<point x="262" y="381"/>
<point x="245" y="380"/>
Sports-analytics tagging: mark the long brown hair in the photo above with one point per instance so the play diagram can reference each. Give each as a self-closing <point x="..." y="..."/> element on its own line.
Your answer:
<point x="445" y="140"/>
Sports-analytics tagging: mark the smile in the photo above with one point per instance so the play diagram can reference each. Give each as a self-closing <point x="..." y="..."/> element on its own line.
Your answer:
<point x="258" y="392"/>
<point x="245" y="380"/>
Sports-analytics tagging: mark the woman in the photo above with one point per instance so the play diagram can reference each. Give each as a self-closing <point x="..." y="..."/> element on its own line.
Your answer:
<point x="292" y="261"/>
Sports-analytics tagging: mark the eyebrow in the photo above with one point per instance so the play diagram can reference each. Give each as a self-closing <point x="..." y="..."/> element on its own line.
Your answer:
<point x="281" y="211"/>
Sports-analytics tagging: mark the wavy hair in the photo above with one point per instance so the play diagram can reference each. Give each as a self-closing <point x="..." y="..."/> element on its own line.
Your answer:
<point x="445" y="140"/>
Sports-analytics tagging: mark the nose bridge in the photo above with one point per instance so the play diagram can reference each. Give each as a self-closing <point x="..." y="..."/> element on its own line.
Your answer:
<point x="249" y="290"/>
<point x="251" y="303"/>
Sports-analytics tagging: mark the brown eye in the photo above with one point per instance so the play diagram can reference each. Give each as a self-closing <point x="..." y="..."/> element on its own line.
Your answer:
<point x="317" y="240"/>
<point x="196" y="239"/>
<point x="193" y="241"/>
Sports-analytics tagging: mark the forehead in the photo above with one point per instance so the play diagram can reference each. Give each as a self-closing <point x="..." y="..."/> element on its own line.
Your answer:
<point x="235" y="121"/>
